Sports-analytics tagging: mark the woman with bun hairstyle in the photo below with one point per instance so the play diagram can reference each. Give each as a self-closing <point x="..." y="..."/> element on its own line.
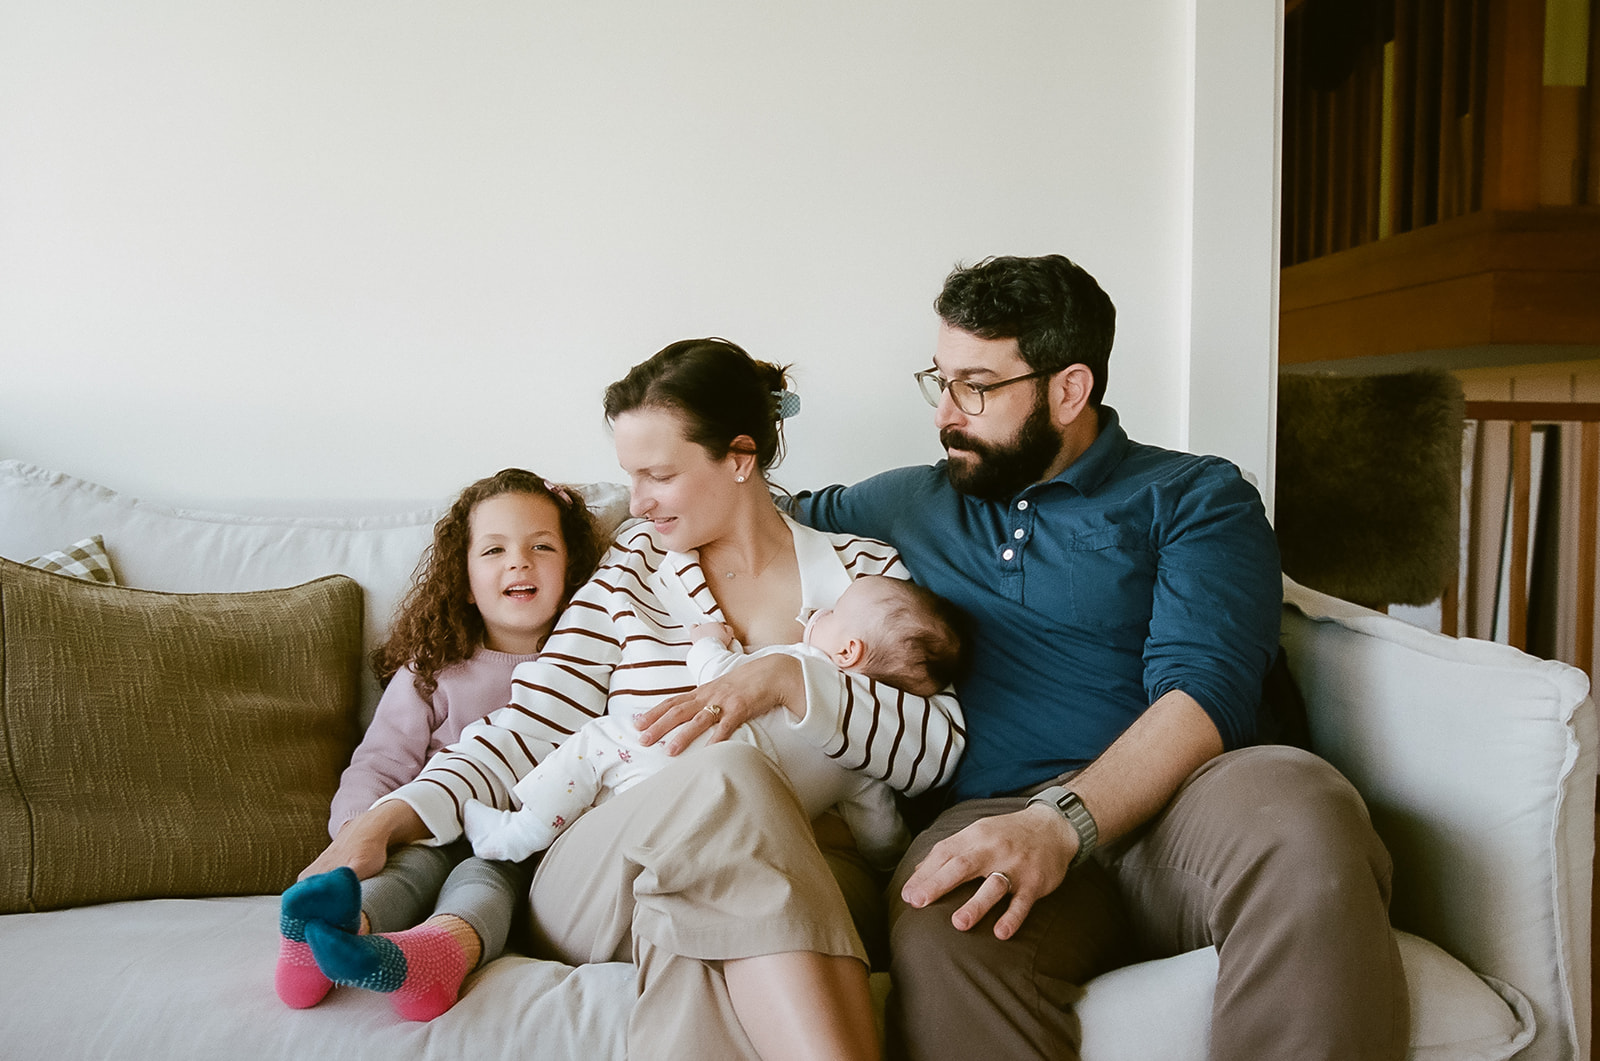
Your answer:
<point x="706" y="875"/>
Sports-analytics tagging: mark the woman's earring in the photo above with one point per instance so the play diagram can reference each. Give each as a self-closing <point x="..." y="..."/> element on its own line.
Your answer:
<point x="738" y="478"/>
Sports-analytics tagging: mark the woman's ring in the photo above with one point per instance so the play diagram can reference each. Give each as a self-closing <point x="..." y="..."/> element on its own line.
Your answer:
<point x="713" y="710"/>
<point x="1003" y="880"/>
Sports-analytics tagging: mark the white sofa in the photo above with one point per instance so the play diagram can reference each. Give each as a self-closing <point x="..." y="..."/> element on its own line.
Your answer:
<point x="1478" y="763"/>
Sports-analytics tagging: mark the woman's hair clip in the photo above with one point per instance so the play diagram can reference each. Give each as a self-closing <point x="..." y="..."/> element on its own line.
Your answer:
<point x="788" y="403"/>
<point x="558" y="490"/>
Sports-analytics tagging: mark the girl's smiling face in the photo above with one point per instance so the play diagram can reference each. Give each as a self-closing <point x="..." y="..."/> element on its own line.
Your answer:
<point x="516" y="569"/>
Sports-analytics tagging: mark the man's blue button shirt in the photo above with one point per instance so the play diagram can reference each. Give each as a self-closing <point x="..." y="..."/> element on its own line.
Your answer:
<point x="1134" y="572"/>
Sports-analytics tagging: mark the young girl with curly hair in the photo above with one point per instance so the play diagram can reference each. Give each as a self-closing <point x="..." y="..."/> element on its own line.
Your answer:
<point x="504" y="561"/>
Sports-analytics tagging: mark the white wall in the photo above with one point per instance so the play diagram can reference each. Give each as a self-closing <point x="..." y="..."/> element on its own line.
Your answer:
<point x="376" y="249"/>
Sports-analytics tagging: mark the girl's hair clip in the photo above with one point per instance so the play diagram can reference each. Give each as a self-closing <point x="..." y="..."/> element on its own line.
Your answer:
<point x="788" y="403"/>
<point x="558" y="490"/>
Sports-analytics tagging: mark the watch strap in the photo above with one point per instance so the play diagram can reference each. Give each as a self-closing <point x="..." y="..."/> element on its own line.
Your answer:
<point x="1070" y="807"/>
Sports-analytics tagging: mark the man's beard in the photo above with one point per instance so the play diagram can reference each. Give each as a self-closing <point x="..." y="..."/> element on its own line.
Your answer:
<point x="997" y="471"/>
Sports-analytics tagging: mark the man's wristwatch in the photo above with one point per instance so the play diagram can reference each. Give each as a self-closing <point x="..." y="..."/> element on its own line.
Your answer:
<point x="1071" y="807"/>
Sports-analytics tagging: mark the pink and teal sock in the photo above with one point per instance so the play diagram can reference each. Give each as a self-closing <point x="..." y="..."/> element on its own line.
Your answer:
<point x="300" y="984"/>
<point x="333" y="897"/>
<point x="422" y="968"/>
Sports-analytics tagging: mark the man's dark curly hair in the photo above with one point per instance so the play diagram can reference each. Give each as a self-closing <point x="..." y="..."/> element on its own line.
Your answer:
<point x="436" y="624"/>
<point x="1055" y="311"/>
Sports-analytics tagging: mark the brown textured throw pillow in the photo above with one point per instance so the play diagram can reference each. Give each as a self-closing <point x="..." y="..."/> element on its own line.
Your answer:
<point x="162" y="744"/>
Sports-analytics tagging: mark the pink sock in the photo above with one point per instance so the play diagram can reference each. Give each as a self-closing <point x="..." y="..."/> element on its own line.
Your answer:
<point x="300" y="983"/>
<point x="435" y="969"/>
<point x="421" y="968"/>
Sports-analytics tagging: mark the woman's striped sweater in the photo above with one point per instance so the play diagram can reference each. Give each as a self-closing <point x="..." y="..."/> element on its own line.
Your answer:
<point x="620" y="648"/>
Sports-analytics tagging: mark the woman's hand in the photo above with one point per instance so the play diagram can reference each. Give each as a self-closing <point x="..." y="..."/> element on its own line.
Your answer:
<point x="364" y="841"/>
<point x="1024" y="854"/>
<point x="748" y="691"/>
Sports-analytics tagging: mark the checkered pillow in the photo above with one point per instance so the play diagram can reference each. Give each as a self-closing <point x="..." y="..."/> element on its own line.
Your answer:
<point x="86" y="559"/>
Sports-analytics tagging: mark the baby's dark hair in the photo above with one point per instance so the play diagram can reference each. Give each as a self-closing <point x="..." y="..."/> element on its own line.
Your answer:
<point x="436" y="625"/>
<point x="922" y="649"/>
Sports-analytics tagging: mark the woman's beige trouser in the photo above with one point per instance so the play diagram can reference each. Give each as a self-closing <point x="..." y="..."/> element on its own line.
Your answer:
<point x="712" y="859"/>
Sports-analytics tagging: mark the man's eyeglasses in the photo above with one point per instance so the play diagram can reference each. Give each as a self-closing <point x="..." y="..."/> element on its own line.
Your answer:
<point x="967" y="396"/>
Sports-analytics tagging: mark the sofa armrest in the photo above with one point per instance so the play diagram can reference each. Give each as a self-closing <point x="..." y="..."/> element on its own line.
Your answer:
<point x="1478" y="765"/>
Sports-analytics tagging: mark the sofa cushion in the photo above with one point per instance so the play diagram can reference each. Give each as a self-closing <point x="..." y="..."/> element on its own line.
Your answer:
<point x="85" y="558"/>
<point x="1477" y="762"/>
<point x="167" y="744"/>
<point x="191" y="980"/>
<point x="198" y="975"/>
<point x="1455" y="1015"/>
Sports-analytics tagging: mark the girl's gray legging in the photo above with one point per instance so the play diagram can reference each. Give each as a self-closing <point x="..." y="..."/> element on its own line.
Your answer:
<point x="420" y="881"/>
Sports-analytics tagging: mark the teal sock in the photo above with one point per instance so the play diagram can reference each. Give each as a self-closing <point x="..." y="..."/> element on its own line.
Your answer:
<point x="421" y="969"/>
<point x="298" y="980"/>
<point x="333" y="897"/>
<point x="372" y="962"/>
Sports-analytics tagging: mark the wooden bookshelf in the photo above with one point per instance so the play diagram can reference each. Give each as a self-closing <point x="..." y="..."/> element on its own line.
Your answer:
<point x="1441" y="179"/>
<point x="1526" y="277"/>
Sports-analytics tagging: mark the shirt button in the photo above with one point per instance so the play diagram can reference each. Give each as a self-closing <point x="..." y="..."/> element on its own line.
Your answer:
<point x="1017" y="534"/>
<point x="1022" y="506"/>
<point x="1008" y="554"/>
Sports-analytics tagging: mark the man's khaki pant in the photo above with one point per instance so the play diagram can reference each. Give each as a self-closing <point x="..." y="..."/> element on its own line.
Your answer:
<point x="1266" y="854"/>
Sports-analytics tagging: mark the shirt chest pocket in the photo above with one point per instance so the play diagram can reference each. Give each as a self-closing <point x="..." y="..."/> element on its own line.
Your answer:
<point x="1102" y="578"/>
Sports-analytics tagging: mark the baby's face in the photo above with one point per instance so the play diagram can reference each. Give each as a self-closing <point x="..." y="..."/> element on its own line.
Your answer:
<point x="856" y="615"/>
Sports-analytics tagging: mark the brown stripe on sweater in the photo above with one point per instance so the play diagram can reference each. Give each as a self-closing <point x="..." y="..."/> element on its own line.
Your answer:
<point x="648" y="663"/>
<point x="659" y="616"/>
<point x="498" y="754"/>
<point x="851" y="565"/>
<point x="449" y="768"/>
<point x="631" y="638"/>
<point x="944" y="759"/>
<point x="487" y="779"/>
<point x="872" y="732"/>
<point x="617" y="690"/>
<point x="456" y="800"/>
<point x="638" y="602"/>
<point x="536" y="717"/>
<point x="527" y="751"/>
<point x="867" y="544"/>
<point x="916" y="764"/>
<point x="561" y="657"/>
<point x="900" y="728"/>
<point x="570" y="671"/>
<point x="844" y="727"/>
<point x="578" y="631"/>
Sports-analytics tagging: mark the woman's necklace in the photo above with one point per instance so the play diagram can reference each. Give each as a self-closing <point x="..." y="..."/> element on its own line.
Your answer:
<point x="730" y="575"/>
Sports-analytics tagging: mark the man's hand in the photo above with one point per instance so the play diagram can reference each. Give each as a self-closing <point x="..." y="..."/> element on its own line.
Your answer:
<point x="363" y="842"/>
<point x="1030" y="848"/>
<point x="748" y="691"/>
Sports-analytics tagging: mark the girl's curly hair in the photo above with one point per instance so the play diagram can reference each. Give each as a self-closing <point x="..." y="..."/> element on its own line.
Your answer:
<point x="435" y="625"/>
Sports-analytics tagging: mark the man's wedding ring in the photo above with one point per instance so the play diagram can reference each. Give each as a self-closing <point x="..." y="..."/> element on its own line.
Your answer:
<point x="1003" y="880"/>
<point x="713" y="710"/>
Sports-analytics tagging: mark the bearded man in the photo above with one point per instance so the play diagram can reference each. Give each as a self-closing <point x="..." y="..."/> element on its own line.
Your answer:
<point x="1109" y="806"/>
